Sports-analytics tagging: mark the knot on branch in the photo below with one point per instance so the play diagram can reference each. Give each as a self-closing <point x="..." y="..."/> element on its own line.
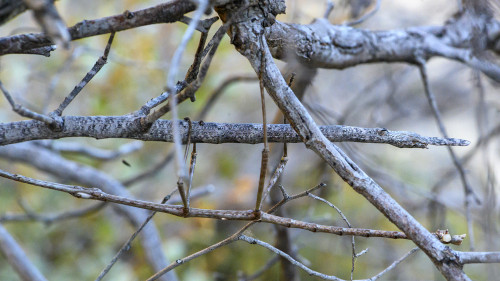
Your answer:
<point x="257" y="215"/>
<point x="249" y="16"/>
<point x="58" y="123"/>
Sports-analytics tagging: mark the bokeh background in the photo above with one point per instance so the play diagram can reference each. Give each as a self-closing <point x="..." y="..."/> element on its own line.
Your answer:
<point x="375" y="95"/>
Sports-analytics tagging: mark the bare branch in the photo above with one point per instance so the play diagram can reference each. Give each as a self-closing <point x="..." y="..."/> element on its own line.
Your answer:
<point x="102" y="127"/>
<point x="254" y="241"/>
<point x="11" y="9"/>
<point x="365" y="16"/>
<point x="469" y="193"/>
<point x="127" y="244"/>
<point x="344" y="218"/>
<point x="248" y="44"/>
<point x="394" y="264"/>
<point x="17" y="258"/>
<point x="479" y="257"/>
<point x="180" y="166"/>
<point x="95" y="69"/>
<point x="248" y="215"/>
<point x="25" y="112"/>
<point x="47" y="16"/>
<point x="162" y="13"/>
<point x="182" y="93"/>
<point x="94" y="152"/>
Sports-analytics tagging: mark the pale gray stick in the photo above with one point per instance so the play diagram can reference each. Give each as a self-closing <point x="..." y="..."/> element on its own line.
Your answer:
<point x="17" y="258"/>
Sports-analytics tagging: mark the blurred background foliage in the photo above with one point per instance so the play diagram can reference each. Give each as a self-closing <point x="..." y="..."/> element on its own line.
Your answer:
<point x="376" y="95"/>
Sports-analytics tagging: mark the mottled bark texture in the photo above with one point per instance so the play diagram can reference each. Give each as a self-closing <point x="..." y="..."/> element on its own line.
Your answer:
<point x="102" y="127"/>
<point x="247" y="36"/>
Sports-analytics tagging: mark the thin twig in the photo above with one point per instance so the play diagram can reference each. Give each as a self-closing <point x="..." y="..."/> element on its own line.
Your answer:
<point x="51" y="88"/>
<point x="329" y="8"/>
<point x="180" y="181"/>
<point x="365" y="16"/>
<point x="248" y="215"/>
<point x="481" y="142"/>
<point x="254" y="241"/>
<point x="265" y="150"/>
<point x="193" y="71"/>
<point x="163" y="13"/>
<point x="276" y="175"/>
<point x="93" y="72"/>
<point x="184" y="92"/>
<point x="191" y="173"/>
<point x="191" y="75"/>
<point x="469" y="193"/>
<point x="394" y="264"/>
<point x="209" y="249"/>
<point x="25" y="112"/>
<point x="127" y="244"/>
<point x="344" y="218"/>
<point x="203" y="26"/>
<point x="208" y="105"/>
<point x="229" y="239"/>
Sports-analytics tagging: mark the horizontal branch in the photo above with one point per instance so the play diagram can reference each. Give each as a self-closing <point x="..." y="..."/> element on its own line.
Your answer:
<point x="163" y="13"/>
<point x="101" y="127"/>
<point x="180" y="211"/>
<point x="324" y="45"/>
<point x="479" y="257"/>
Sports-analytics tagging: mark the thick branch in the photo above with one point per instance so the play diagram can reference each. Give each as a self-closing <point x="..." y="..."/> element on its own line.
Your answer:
<point x="246" y="36"/>
<point x="479" y="257"/>
<point x="101" y="127"/>
<point x="323" y="45"/>
<point x="163" y="13"/>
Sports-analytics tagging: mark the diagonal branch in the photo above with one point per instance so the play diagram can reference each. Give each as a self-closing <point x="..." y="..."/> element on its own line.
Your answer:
<point x="250" y="27"/>
<point x="162" y="13"/>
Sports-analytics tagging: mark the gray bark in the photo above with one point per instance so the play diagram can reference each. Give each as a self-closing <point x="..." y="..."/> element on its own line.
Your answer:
<point x="101" y="127"/>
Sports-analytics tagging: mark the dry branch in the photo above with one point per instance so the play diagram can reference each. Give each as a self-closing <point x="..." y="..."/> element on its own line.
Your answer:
<point x="177" y="210"/>
<point x="102" y="127"/>
<point x="246" y="40"/>
<point x="17" y="258"/>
